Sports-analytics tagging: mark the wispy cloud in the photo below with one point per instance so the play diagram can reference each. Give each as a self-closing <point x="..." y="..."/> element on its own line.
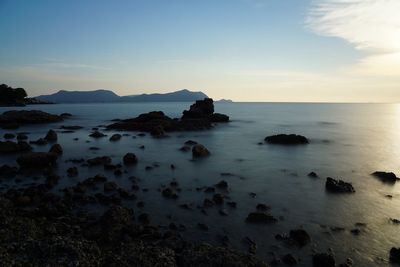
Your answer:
<point x="372" y="26"/>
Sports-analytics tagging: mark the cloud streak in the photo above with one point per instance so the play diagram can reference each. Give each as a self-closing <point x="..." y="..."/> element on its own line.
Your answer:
<point x="372" y="26"/>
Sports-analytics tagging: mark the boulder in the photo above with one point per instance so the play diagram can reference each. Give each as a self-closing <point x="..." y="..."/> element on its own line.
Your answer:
<point x="130" y="159"/>
<point x="57" y="149"/>
<point x="394" y="255"/>
<point x="260" y="218"/>
<point x="286" y="139"/>
<point x="338" y="186"/>
<point x="386" y="177"/>
<point x="51" y="136"/>
<point x="115" y="137"/>
<point x="13" y="147"/>
<point x="71" y="127"/>
<point x="97" y="134"/>
<point x="199" y="151"/>
<point x="323" y="260"/>
<point x="99" y="161"/>
<point x="37" y="159"/>
<point x="300" y="237"/>
<point x="9" y="136"/>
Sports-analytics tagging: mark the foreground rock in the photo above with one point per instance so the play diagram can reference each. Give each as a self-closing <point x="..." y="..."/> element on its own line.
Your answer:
<point x="260" y="217"/>
<point x="37" y="159"/>
<point x="17" y="117"/>
<point x="394" y="255"/>
<point x="200" y="116"/>
<point x="286" y="139"/>
<point x="13" y="147"/>
<point x="386" y="177"/>
<point x="200" y="151"/>
<point x="323" y="260"/>
<point x="130" y="159"/>
<point x="338" y="186"/>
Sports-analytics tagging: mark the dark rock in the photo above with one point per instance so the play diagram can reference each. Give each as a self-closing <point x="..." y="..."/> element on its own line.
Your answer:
<point x="71" y="127"/>
<point x="37" y="159"/>
<point x="65" y="114"/>
<point x="288" y="259"/>
<point x="115" y="137"/>
<point x="27" y="117"/>
<point x="202" y="226"/>
<point x="97" y="134"/>
<point x="185" y="149"/>
<point x="232" y="204"/>
<point x="323" y="260"/>
<point x="338" y="186"/>
<point x="157" y="131"/>
<point x="260" y="217"/>
<point x="22" y="136"/>
<point x="110" y="186"/>
<point x="218" y="199"/>
<point x="394" y="255"/>
<point x="313" y="175"/>
<point x="99" y="161"/>
<point x="207" y="203"/>
<point x="222" y="185"/>
<point x="300" y="237"/>
<point x="51" y="136"/>
<point x="262" y="207"/>
<point x="12" y="147"/>
<point x="40" y="141"/>
<point x="57" y="149"/>
<point x="9" y="136"/>
<point x="218" y="117"/>
<point x="386" y="177"/>
<point x="8" y="171"/>
<point x="72" y="172"/>
<point x="199" y="151"/>
<point x="130" y="159"/>
<point x="287" y="139"/>
<point x="144" y="218"/>
<point x="169" y="193"/>
<point x="190" y="143"/>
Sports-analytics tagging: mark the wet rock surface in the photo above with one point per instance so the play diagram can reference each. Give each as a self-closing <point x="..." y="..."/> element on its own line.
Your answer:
<point x="338" y="186"/>
<point x="386" y="177"/>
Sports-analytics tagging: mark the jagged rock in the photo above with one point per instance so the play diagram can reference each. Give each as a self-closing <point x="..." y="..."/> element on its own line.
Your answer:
<point x="338" y="186"/>
<point x="130" y="159"/>
<point x="199" y="151"/>
<point x="56" y="148"/>
<point x="287" y="139"/>
<point x="51" y="136"/>
<point x="37" y="159"/>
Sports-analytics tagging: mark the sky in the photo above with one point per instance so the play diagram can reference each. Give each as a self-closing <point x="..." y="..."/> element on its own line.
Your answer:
<point x="244" y="50"/>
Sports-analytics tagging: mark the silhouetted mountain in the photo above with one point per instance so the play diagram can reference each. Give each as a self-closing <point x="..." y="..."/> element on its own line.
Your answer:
<point x="97" y="96"/>
<point x="178" y="96"/>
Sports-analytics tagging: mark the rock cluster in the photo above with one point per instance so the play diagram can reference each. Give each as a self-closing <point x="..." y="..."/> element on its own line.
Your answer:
<point x="14" y="118"/>
<point x="200" y="116"/>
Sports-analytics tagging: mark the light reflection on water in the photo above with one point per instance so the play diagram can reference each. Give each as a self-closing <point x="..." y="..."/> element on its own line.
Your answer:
<point x="348" y="141"/>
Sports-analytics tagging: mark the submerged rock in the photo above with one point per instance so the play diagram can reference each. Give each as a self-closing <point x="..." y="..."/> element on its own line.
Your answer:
<point x="386" y="177"/>
<point x="199" y="151"/>
<point x="338" y="186"/>
<point x="130" y="159"/>
<point x="97" y="134"/>
<point x="9" y="136"/>
<point x="286" y="139"/>
<point x="56" y="148"/>
<point x="260" y="217"/>
<point x="300" y="237"/>
<point x="115" y="137"/>
<point x="37" y="159"/>
<point x="51" y="136"/>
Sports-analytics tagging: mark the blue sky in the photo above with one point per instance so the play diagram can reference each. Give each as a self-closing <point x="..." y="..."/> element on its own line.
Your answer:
<point x="246" y="50"/>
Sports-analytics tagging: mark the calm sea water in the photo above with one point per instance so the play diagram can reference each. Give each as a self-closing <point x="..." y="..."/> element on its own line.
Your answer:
<point x="348" y="141"/>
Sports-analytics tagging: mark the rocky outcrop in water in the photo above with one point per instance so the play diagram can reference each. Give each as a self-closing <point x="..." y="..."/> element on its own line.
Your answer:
<point x="18" y="117"/>
<point x="286" y="139"/>
<point x="13" y="147"/>
<point x="37" y="159"/>
<point x="200" y="116"/>
<point x="338" y="186"/>
<point x="386" y="177"/>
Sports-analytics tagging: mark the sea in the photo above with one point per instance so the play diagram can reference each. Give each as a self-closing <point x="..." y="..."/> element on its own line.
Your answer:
<point x="347" y="142"/>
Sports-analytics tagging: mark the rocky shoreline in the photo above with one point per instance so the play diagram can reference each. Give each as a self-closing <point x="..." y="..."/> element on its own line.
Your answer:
<point x="44" y="225"/>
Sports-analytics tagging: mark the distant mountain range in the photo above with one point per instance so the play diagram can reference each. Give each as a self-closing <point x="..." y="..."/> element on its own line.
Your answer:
<point x="102" y="96"/>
